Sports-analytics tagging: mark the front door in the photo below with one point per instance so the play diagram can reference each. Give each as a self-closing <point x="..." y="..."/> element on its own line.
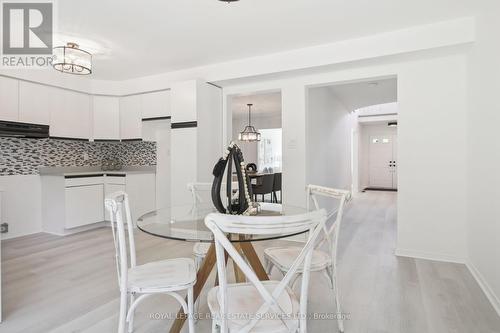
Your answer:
<point x="383" y="161"/>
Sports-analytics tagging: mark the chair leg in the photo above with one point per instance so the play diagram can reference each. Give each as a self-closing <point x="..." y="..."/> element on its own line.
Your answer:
<point x="336" y="291"/>
<point x="329" y="276"/>
<point x="197" y="262"/>
<point x="215" y="328"/>
<point x="190" y="310"/>
<point x="294" y="280"/>
<point x="268" y="264"/>
<point x="131" y="319"/>
<point x="123" y="312"/>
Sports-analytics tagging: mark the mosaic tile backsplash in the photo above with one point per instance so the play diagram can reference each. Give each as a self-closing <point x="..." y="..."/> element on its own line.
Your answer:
<point x="24" y="156"/>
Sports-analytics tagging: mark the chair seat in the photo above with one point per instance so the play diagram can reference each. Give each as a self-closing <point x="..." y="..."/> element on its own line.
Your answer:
<point x="200" y="249"/>
<point x="244" y="300"/>
<point x="160" y="276"/>
<point x="283" y="258"/>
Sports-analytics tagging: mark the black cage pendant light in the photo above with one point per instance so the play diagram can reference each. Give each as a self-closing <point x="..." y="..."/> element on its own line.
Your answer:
<point x="249" y="134"/>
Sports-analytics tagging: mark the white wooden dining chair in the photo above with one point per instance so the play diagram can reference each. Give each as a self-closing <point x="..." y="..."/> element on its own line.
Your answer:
<point x="326" y="262"/>
<point x="201" y="195"/>
<point x="260" y="306"/>
<point x="167" y="277"/>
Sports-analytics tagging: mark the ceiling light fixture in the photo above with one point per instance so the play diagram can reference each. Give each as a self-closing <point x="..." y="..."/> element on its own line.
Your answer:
<point x="229" y="1"/>
<point x="392" y="124"/>
<point x="71" y="59"/>
<point x="249" y="134"/>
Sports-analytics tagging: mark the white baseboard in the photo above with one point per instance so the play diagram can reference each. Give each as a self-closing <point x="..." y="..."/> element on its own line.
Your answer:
<point x="7" y="237"/>
<point x="490" y="294"/>
<point x="76" y="230"/>
<point x="429" y="256"/>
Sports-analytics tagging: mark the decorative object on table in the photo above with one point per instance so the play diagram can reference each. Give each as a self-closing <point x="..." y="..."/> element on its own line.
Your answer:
<point x="251" y="167"/>
<point x="243" y="204"/>
<point x="249" y="134"/>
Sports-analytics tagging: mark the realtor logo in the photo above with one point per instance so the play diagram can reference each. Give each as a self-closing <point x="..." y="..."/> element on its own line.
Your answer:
<point x="27" y="28"/>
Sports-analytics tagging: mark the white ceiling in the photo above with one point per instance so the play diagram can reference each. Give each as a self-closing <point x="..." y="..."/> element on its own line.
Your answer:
<point x="136" y="38"/>
<point x="361" y="94"/>
<point x="263" y="105"/>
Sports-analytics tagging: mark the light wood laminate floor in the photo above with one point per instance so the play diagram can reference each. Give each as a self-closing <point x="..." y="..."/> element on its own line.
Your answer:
<point x="68" y="284"/>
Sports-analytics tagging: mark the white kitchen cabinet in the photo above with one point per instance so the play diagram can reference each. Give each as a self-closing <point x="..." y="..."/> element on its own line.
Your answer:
<point x="113" y="184"/>
<point x="70" y="114"/>
<point x="106" y="118"/>
<point x="130" y="117"/>
<point x="84" y="205"/>
<point x="34" y="103"/>
<point x="156" y="104"/>
<point x="9" y="99"/>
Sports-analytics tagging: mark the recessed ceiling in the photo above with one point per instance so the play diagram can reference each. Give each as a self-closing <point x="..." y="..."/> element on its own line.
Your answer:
<point x="362" y="94"/>
<point x="263" y="105"/>
<point x="141" y="38"/>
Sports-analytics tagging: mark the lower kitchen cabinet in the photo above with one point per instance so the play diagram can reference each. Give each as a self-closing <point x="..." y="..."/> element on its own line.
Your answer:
<point x="76" y="202"/>
<point x="84" y="205"/>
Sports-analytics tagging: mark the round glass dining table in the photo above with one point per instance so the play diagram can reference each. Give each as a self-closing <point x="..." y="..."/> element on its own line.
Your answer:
<point x="186" y="223"/>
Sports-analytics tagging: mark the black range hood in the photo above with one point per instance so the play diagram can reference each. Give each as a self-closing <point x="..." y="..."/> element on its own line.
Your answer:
<point x="23" y="130"/>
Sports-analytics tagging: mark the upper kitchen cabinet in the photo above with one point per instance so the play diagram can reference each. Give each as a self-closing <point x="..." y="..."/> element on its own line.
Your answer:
<point x="106" y="118"/>
<point x="130" y="117"/>
<point x="156" y="104"/>
<point x="9" y="99"/>
<point x="69" y="114"/>
<point x="34" y="103"/>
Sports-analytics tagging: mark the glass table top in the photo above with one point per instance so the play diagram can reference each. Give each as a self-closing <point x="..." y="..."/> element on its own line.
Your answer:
<point x="186" y="223"/>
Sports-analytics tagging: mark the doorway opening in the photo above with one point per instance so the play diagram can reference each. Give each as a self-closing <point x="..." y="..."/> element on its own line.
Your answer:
<point x="377" y="147"/>
<point x="351" y="135"/>
<point x="264" y="158"/>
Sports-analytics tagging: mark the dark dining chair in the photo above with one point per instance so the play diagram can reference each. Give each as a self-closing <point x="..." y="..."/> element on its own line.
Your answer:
<point x="277" y="187"/>
<point x="264" y="186"/>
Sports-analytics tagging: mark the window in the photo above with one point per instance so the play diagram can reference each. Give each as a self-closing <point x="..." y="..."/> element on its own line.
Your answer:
<point x="269" y="154"/>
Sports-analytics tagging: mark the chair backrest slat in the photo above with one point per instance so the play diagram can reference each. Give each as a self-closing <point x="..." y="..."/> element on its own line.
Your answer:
<point x="201" y="193"/>
<point x="331" y="235"/>
<point x="221" y="225"/>
<point x="118" y="207"/>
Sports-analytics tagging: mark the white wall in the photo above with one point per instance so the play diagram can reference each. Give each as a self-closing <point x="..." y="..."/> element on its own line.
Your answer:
<point x="328" y="140"/>
<point x="364" y="133"/>
<point x="432" y="200"/>
<point x="483" y="144"/>
<point x="259" y="121"/>
<point x="21" y="205"/>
